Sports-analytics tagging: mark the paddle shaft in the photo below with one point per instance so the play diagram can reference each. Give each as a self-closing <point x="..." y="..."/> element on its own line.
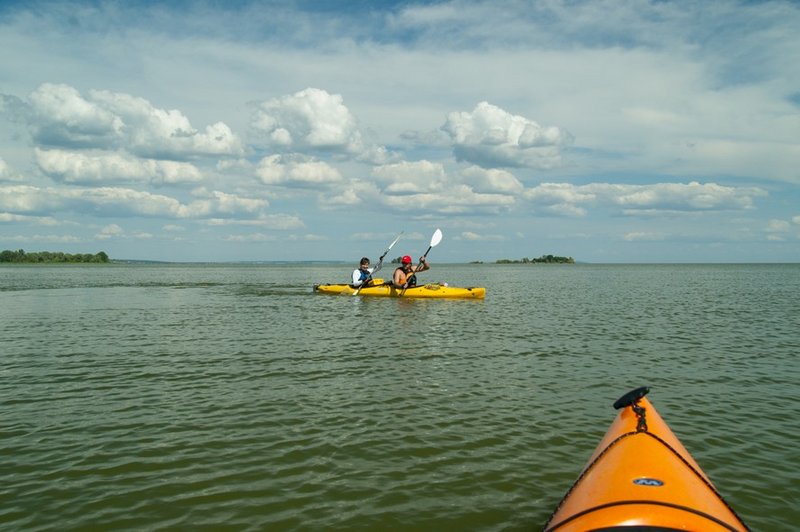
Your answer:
<point x="422" y="259"/>
<point x="435" y="239"/>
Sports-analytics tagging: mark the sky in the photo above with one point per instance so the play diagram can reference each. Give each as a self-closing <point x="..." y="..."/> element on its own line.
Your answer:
<point x="635" y="131"/>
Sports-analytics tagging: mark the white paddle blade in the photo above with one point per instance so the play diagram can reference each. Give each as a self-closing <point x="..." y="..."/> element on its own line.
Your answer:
<point x="436" y="238"/>
<point x="395" y="241"/>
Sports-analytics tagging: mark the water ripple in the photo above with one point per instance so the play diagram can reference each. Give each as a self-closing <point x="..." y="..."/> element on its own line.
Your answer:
<point x="234" y="397"/>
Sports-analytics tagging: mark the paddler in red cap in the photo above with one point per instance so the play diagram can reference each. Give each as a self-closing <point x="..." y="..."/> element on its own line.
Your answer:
<point x="404" y="276"/>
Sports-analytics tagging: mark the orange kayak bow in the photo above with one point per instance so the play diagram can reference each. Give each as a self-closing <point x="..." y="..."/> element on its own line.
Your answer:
<point x="641" y="476"/>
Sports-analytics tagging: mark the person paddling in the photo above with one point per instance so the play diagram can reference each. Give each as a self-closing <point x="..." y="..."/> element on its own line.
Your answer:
<point x="363" y="274"/>
<point x="405" y="275"/>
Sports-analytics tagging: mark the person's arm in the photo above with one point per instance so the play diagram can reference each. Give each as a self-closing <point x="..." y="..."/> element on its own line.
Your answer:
<point x="423" y="265"/>
<point x="399" y="278"/>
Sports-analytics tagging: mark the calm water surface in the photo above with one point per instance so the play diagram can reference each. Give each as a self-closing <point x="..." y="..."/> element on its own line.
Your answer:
<point x="232" y="396"/>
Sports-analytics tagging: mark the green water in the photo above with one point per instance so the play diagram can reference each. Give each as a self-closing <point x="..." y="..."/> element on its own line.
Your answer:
<point x="232" y="396"/>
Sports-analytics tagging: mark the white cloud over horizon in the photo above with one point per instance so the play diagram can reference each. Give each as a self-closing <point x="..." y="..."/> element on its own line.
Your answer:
<point x="594" y="128"/>
<point x="85" y="168"/>
<point x="491" y="137"/>
<point x="310" y="118"/>
<point x="59" y="116"/>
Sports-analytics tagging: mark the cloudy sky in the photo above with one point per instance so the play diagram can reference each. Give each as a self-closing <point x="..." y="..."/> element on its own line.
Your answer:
<point x="609" y="131"/>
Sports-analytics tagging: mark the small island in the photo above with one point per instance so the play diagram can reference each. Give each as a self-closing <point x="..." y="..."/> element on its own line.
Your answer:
<point x="51" y="257"/>
<point x="544" y="259"/>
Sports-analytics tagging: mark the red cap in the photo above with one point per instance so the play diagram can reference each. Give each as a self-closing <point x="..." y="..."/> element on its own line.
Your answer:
<point x="407" y="259"/>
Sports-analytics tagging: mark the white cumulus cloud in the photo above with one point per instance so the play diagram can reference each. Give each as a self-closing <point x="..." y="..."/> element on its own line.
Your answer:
<point x="410" y="177"/>
<point x="124" y="202"/>
<point x="424" y="185"/>
<point x="59" y="116"/>
<point x="654" y="199"/>
<point x="296" y="172"/>
<point x="6" y="217"/>
<point x="459" y="199"/>
<point x="311" y="118"/>
<point x="110" y="231"/>
<point x="103" y="167"/>
<point x="492" y="137"/>
<point x="492" y="180"/>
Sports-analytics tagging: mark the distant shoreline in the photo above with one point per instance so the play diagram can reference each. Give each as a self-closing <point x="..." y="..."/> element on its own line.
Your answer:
<point x="56" y="258"/>
<point x="52" y="257"/>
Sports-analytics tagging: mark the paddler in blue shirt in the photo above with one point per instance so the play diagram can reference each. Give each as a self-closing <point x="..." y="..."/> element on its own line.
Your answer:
<point x="362" y="274"/>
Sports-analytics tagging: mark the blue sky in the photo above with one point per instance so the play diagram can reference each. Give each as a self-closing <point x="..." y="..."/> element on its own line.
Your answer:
<point x="609" y="131"/>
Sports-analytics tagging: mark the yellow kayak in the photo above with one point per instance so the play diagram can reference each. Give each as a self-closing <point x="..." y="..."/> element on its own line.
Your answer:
<point x="641" y="476"/>
<point x="381" y="289"/>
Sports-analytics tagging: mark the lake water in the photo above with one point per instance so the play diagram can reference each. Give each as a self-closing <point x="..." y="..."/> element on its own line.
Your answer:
<point x="232" y="396"/>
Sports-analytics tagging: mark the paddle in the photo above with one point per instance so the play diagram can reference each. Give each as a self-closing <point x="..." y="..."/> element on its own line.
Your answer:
<point x="379" y="265"/>
<point x="435" y="239"/>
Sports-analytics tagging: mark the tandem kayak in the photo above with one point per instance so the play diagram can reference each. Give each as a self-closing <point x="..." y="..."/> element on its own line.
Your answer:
<point x="381" y="289"/>
<point x="641" y="476"/>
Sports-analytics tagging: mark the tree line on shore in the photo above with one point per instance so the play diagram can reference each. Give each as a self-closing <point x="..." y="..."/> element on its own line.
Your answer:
<point x="21" y="256"/>
<point x="544" y="259"/>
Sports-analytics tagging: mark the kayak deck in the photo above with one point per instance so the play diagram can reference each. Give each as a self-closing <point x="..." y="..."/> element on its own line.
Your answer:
<point x="640" y="475"/>
<point x="382" y="289"/>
